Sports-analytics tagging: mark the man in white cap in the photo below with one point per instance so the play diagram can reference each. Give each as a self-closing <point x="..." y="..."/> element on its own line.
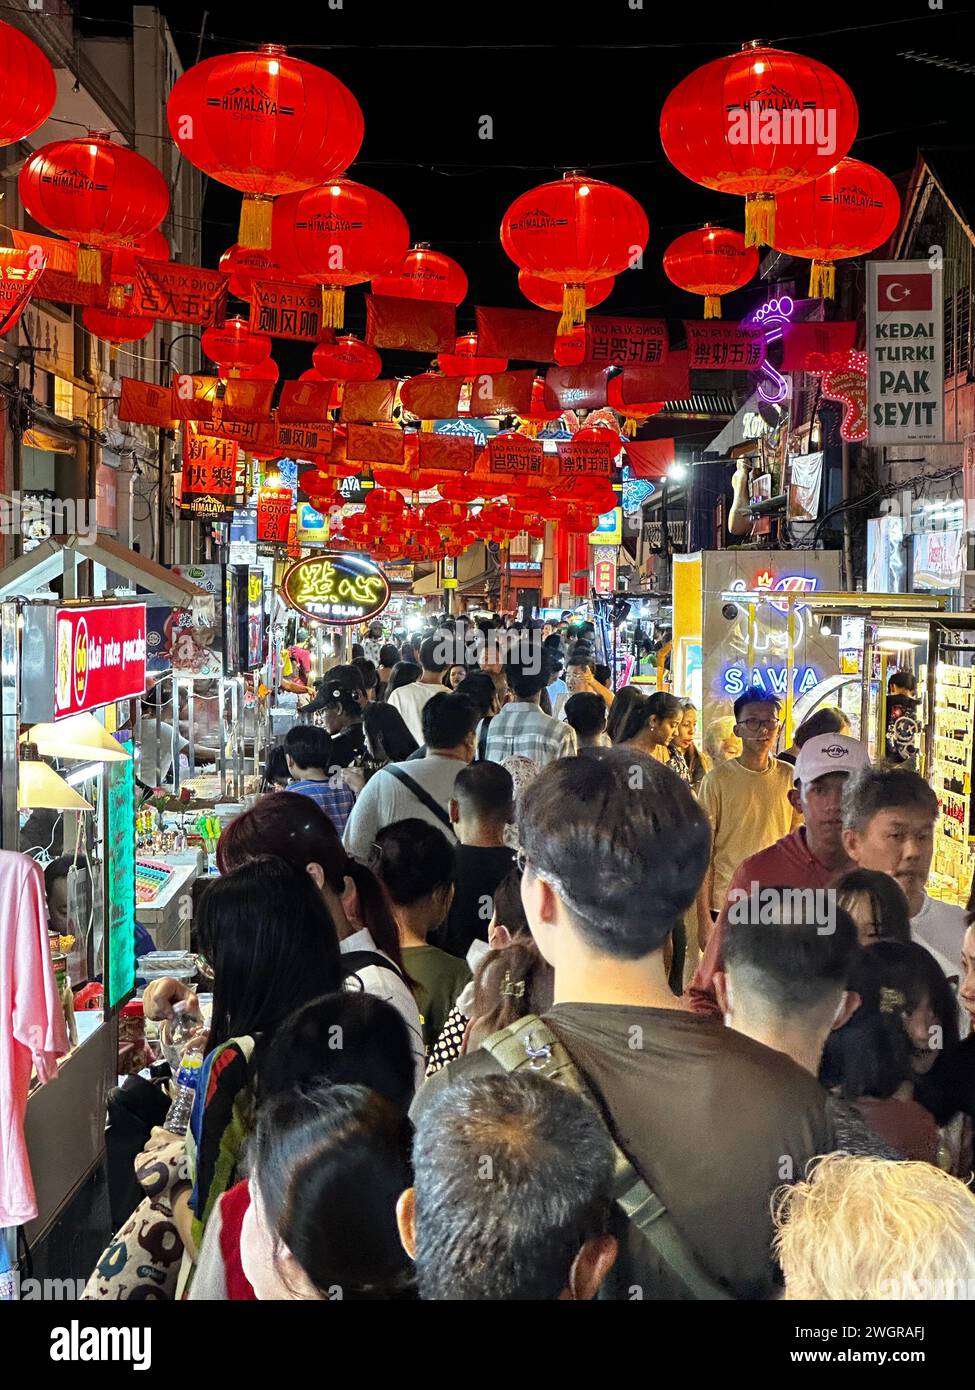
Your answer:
<point x="811" y="856"/>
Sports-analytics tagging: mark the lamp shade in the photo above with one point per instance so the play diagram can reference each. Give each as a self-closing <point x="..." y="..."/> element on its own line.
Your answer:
<point x="39" y="786"/>
<point x="80" y="736"/>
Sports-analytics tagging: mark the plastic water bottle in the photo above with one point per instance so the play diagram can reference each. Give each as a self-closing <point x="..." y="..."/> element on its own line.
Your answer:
<point x="175" y="1035"/>
<point x="178" y="1118"/>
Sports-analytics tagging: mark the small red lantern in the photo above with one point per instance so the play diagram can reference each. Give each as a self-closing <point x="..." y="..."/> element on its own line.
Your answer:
<point x="340" y="234"/>
<point x="466" y="361"/>
<point x="234" y="345"/>
<point x="244" y="265"/>
<point x="115" y="326"/>
<point x="424" y="274"/>
<point x="850" y="210"/>
<point x="538" y="415"/>
<point x="28" y="85"/>
<point x="125" y="264"/>
<point x="94" y="192"/>
<point x="758" y="123"/>
<point x="265" y="124"/>
<point x="268" y="370"/>
<point x="634" y="414"/>
<point x="570" y="348"/>
<point x="574" y="231"/>
<point x="545" y="294"/>
<point x="712" y="261"/>
<point x="347" y="359"/>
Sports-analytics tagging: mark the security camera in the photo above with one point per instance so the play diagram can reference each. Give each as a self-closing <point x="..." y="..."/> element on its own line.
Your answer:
<point x="730" y="611"/>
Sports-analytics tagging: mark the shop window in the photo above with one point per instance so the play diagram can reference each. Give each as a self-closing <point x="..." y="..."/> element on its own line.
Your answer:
<point x="63" y="398"/>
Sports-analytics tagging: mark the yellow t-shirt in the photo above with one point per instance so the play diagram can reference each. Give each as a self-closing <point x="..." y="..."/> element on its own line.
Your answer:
<point x="748" y="812"/>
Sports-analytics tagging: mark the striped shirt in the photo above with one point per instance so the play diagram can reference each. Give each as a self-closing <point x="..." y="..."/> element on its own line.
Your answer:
<point x="521" y="730"/>
<point x="334" y="797"/>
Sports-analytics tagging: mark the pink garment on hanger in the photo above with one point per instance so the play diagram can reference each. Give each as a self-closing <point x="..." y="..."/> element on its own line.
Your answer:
<point x="32" y="1028"/>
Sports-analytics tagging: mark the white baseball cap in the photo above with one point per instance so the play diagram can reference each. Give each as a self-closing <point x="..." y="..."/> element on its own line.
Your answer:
<point x="830" y="753"/>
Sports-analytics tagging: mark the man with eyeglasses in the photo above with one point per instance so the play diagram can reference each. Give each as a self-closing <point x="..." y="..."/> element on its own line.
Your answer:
<point x="746" y="798"/>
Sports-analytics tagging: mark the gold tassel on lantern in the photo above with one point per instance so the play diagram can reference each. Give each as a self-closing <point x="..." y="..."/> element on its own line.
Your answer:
<point x="529" y="428"/>
<point x="255" y="222"/>
<point x="573" y="308"/>
<point x="426" y="427"/>
<point x="712" y="306"/>
<point x="116" y="297"/>
<point x="333" y="306"/>
<point x="759" y="219"/>
<point x="822" y="280"/>
<point x="113" y="352"/>
<point x="89" y="265"/>
<point x="630" y="427"/>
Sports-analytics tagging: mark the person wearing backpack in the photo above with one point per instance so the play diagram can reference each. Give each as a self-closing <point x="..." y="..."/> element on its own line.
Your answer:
<point x="707" y="1123"/>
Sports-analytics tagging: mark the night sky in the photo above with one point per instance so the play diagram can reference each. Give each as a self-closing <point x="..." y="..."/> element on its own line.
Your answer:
<point x="581" y="86"/>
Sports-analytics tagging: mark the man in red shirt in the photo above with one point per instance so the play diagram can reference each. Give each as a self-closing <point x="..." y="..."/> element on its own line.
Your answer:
<point x="812" y="856"/>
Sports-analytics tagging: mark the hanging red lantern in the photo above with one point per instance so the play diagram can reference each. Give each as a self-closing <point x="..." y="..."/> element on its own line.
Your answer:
<point x="94" y="192"/>
<point x="570" y="348"/>
<point x="125" y="264"/>
<point x="711" y="261"/>
<point x="115" y="326"/>
<point x="545" y="294"/>
<point x="551" y="508"/>
<point x="28" y="85"/>
<point x="461" y="489"/>
<point x="758" y="123"/>
<point x="340" y="234"/>
<point x="244" y="265"/>
<point x="538" y="415"/>
<point x="265" y="124"/>
<point x="850" y="210"/>
<point x="234" y="345"/>
<point x="579" y="520"/>
<point x="268" y="370"/>
<point x="347" y="359"/>
<point x="634" y="414"/>
<point x="424" y="274"/>
<point x="574" y="231"/>
<point x="466" y="361"/>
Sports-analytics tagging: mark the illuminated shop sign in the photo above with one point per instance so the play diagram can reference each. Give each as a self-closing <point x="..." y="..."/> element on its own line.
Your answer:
<point x="772" y="679"/>
<point x="337" y="589"/>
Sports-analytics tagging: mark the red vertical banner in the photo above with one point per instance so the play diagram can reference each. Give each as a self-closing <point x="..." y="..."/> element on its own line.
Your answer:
<point x="274" y="509"/>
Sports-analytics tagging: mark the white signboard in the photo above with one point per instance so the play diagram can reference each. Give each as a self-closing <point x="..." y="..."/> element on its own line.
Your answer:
<point x="905" y="345"/>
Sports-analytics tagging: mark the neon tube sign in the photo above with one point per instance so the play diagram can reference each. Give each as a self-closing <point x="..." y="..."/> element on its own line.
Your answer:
<point x="773" y="316"/>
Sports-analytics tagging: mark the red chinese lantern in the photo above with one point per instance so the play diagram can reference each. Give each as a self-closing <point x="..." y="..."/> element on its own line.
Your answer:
<point x="115" y="326"/>
<point x="458" y="490"/>
<point x="347" y="359"/>
<point x="850" y="210"/>
<point x="758" y="123"/>
<point x="466" y="361"/>
<point x="28" y="85"/>
<point x="265" y="124"/>
<point x="244" y="265"/>
<point x="125" y="264"/>
<point x="574" y="231"/>
<point x="424" y="274"/>
<point x="94" y="192"/>
<point x="634" y="414"/>
<point x="579" y="520"/>
<point x="268" y="370"/>
<point x="340" y="234"/>
<point x="538" y="415"/>
<point x="234" y="345"/>
<point x="570" y="348"/>
<point x="712" y="261"/>
<point x="546" y="294"/>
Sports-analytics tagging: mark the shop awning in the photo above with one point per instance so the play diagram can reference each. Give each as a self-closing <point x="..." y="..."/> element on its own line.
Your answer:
<point x="48" y="561"/>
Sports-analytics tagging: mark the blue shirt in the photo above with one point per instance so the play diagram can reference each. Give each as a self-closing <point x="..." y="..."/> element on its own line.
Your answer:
<point x="557" y="688"/>
<point x="333" y="796"/>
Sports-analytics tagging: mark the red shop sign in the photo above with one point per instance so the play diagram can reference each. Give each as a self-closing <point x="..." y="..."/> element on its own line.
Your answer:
<point x="100" y="656"/>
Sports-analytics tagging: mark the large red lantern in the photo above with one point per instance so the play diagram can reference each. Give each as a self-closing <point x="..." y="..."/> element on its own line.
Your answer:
<point x="424" y="274"/>
<point x="94" y="192"/>
<point x="115" y="326"/>
<point x="758" y="123"/>
<point x="712" y="261"/>
<point x="340" y="234"/>
<point x="347" y="359"/>
<point x="233" y="345"/>
<point x="28" y="85"/>
<point x="850" y="210"/>
<point x="466" y="361"/>
<point x="545" y="294"/>
<point x="574" y="231"/>
<point x="268" y="370"/>
<point x="244" y="265"/>
<point x="265" y="124"/>
<point x="634" y="414"/>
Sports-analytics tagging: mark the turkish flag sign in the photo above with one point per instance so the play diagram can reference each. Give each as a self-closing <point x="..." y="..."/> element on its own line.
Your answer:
<point x="903" y="292"/>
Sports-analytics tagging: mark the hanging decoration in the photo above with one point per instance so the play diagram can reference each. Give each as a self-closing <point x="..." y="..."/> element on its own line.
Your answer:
<point x="245" y="265"/>
<point x="758" y="123"/>
<point x="347" y="359"/>
<point x="424" y="274"/>
<point x="466" y="361"/>
<point x="634" y="413"/>
<point x="265" y="124"/>
<point x="712" y="261"/>
<point x="233" y="345"/>
<point x="115" y="326"/>
<point x="545" y="293"/>
<point x="28" y="85"/>
<point x="125" y="265"/>
<point x="574" y="231"/>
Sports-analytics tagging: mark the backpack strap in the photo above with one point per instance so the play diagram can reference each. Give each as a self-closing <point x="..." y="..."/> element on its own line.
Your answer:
<point x="529" y="1044"/>
<point x="354" y="961"/>
<point x="482" y="738"/>
<point x="421" y="794"/>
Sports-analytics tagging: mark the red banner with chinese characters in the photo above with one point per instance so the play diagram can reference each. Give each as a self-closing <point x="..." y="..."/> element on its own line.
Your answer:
<point x="592" y="458"/>
<point x="669" y="382"/>
<point x="274" y="509"/>
<point x="504" y="393"/>
<point x="305" y="402"/>
<point x="375" y="444"/>
<point x="575" y="388"/>
<point x="249" y="401"/>
<point x="431" y="397"/>
<point x="649" y="458"/>
<point x="521" y="335"/>
<point x="804" y="341"/>
<point x="287" y="309"/>
<point x="179" y="293"/>
<point x="303" y="441"/>
<point x="59" y="277"/>
<point x="261" y="438"/>
<point x="18" y="281"/>
<point x="141" y="403"/>
<point x="209" y="475"/>
<point x="411" y="325"/>
<point x="100" y="656"/>
<point x="717" y="345"/>
<point x="511" y="454"/>
<point x="367" y="402"/>
<point x="193" y="396"/>
<point x="626" y="342"/>
<point x="449" y="452"/>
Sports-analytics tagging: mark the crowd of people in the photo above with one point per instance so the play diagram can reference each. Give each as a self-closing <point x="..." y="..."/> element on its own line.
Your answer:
<point x="520" y="993"/>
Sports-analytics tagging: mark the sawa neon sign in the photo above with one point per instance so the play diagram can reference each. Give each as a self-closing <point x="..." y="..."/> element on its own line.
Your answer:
<point x="772" y="676"/>
<point x="772" y="679"/>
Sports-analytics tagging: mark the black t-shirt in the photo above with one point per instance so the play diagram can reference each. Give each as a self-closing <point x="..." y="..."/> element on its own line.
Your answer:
<point x="346" y="746"/>
<point x="477" y="872"/>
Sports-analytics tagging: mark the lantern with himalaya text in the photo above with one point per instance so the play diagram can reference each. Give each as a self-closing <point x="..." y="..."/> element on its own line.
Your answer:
<point x="465" y="360"/>
<point x="265" y="124"/>
<point x="28" y="85"/>
<point x="234" y="345"/>
<point x="570" y="348"/>
<point x="245" y="265"/>
<point x="115" y="326"/>
<point x="347" y="359"/>
<point x="850" y="210"/>
<point x="424" y="274"/>
<point x="758" y="123"/>
<point x="574" y="231"/>
<point x="711" y="261"/>
<point x="340" y="234"/>
<point x="94" y="192"/>
<point x="633" y="415"/>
